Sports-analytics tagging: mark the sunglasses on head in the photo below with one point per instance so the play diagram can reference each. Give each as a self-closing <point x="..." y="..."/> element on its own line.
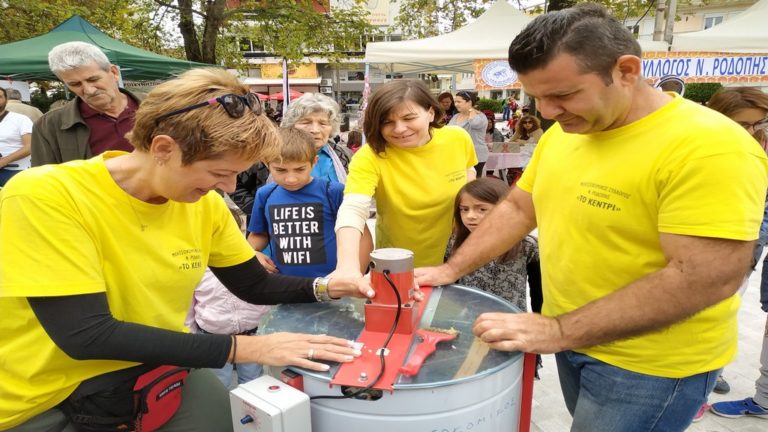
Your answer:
<point x="235" y="105"/>
<point x="756" y="126"/>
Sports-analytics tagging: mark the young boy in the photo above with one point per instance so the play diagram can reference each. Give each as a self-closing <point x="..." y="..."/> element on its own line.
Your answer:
<point x="296" y="214"/>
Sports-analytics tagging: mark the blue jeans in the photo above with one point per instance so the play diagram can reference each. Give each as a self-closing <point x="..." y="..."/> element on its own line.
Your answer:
<point x="764" y="283"/>
<point x="245" y="372"/>
<point x="505" y="112"/>
<point x="605" y="398"/>
<point x="6" y="174"/>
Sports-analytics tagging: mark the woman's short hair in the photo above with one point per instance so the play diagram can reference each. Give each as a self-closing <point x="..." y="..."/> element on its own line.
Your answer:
<point x="310" y="103"/>
<point x="73" y="55"/>
<point x="386" y="98"/>
<point x="729" y="100"/>
<point x="207" y="132"/>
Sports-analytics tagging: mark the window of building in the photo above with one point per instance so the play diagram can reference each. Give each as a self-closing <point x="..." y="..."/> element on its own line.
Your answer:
<point x="711" y="21"/>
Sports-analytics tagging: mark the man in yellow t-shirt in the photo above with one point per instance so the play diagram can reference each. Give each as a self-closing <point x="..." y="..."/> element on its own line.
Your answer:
<point x="646" y="219"/>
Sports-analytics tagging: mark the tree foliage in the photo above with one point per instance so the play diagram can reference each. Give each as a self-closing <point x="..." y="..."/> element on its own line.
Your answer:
<point x="212" y="29"/>
<point x="424" y="18"/>
<point x="495" y="105"/>
<point x="130" y="21"/>
<point x="418" y="19"/>
<point x="701" y="92"/>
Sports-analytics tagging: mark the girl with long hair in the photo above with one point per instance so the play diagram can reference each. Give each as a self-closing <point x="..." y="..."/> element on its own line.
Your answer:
<point x="507" y="275"/>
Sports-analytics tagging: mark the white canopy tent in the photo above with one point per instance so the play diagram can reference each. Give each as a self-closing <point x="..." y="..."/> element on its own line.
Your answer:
<point x="745" y="33"/>
<point x="488" y="37"/>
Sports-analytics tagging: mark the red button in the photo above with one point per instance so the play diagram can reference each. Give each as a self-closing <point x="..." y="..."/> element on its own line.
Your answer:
<point x="273" y="388"/>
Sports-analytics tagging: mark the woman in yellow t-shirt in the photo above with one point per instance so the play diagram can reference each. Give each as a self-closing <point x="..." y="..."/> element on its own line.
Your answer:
<point x="99" y="260"/>
<point x="413" y="167"/>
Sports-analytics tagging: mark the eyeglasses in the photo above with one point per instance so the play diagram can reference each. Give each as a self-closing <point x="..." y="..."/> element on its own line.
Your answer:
<point x="756" y="126"/>
<point x="234" y="105"/>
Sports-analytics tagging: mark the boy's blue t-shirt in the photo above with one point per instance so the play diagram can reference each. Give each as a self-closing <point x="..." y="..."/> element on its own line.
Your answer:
<point x="300" y="225"/>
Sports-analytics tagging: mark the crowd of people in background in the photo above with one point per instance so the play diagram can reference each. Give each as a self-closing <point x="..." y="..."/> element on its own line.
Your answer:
<point x="112" y="191"/>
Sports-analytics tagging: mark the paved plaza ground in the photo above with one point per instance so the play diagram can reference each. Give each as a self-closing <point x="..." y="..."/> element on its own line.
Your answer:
<point x="550" y="414"/>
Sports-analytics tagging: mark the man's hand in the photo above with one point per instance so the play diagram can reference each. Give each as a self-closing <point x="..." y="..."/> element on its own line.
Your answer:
<point x="525" y="332"/>
<point x="434" y="276"/>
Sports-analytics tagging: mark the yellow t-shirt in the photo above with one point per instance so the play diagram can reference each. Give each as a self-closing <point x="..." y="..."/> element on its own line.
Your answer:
<point x="602" y="199"/>
<point x="69" y="229"/>
<point x="415" y="191"/>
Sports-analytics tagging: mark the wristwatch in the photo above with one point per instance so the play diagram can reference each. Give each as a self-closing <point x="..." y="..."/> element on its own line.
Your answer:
<point x="320" y="288"/>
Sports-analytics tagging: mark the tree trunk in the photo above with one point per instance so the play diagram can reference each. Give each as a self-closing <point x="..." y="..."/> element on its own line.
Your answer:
<point x="187" y="29"/>
<point x="215" y="11"/>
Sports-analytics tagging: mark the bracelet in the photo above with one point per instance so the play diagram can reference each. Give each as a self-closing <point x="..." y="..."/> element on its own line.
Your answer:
<point x="320" y="289"/>
<point x="234" y="348"/>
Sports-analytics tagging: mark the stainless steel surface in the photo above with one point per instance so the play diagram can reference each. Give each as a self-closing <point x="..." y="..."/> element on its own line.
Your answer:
<point x="451" y="306"/>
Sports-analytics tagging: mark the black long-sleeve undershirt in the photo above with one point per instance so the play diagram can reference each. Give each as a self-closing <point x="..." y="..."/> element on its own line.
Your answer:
<point x="83" y="327"/>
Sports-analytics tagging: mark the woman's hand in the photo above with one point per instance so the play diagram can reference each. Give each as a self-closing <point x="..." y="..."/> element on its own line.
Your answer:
<point x="352" y="285"/>
<point x="295" y="349"/>
<point x="266" y="261"/>
<point x="360" y="286"/>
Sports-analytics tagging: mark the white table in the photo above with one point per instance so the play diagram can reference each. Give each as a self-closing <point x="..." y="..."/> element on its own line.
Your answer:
<point x="501" y="161"/>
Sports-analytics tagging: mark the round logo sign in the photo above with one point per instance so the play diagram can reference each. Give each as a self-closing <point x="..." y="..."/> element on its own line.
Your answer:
<point x="498" y="74"/>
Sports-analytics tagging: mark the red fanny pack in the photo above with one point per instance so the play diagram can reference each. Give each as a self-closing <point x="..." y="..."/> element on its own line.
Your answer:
<point x="140" y="399"/>
<point x="158" y="396"/>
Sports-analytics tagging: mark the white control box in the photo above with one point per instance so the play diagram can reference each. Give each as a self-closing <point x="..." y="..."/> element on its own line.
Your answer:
<point x="269" y="405"/>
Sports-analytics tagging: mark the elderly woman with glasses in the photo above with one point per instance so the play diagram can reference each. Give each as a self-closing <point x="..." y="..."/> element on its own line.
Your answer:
<point x="99" y="259"/>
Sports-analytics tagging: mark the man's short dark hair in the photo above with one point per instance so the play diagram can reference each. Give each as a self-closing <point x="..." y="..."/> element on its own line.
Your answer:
<point x="586" y="31"/>
<point x="5" y="92"/>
